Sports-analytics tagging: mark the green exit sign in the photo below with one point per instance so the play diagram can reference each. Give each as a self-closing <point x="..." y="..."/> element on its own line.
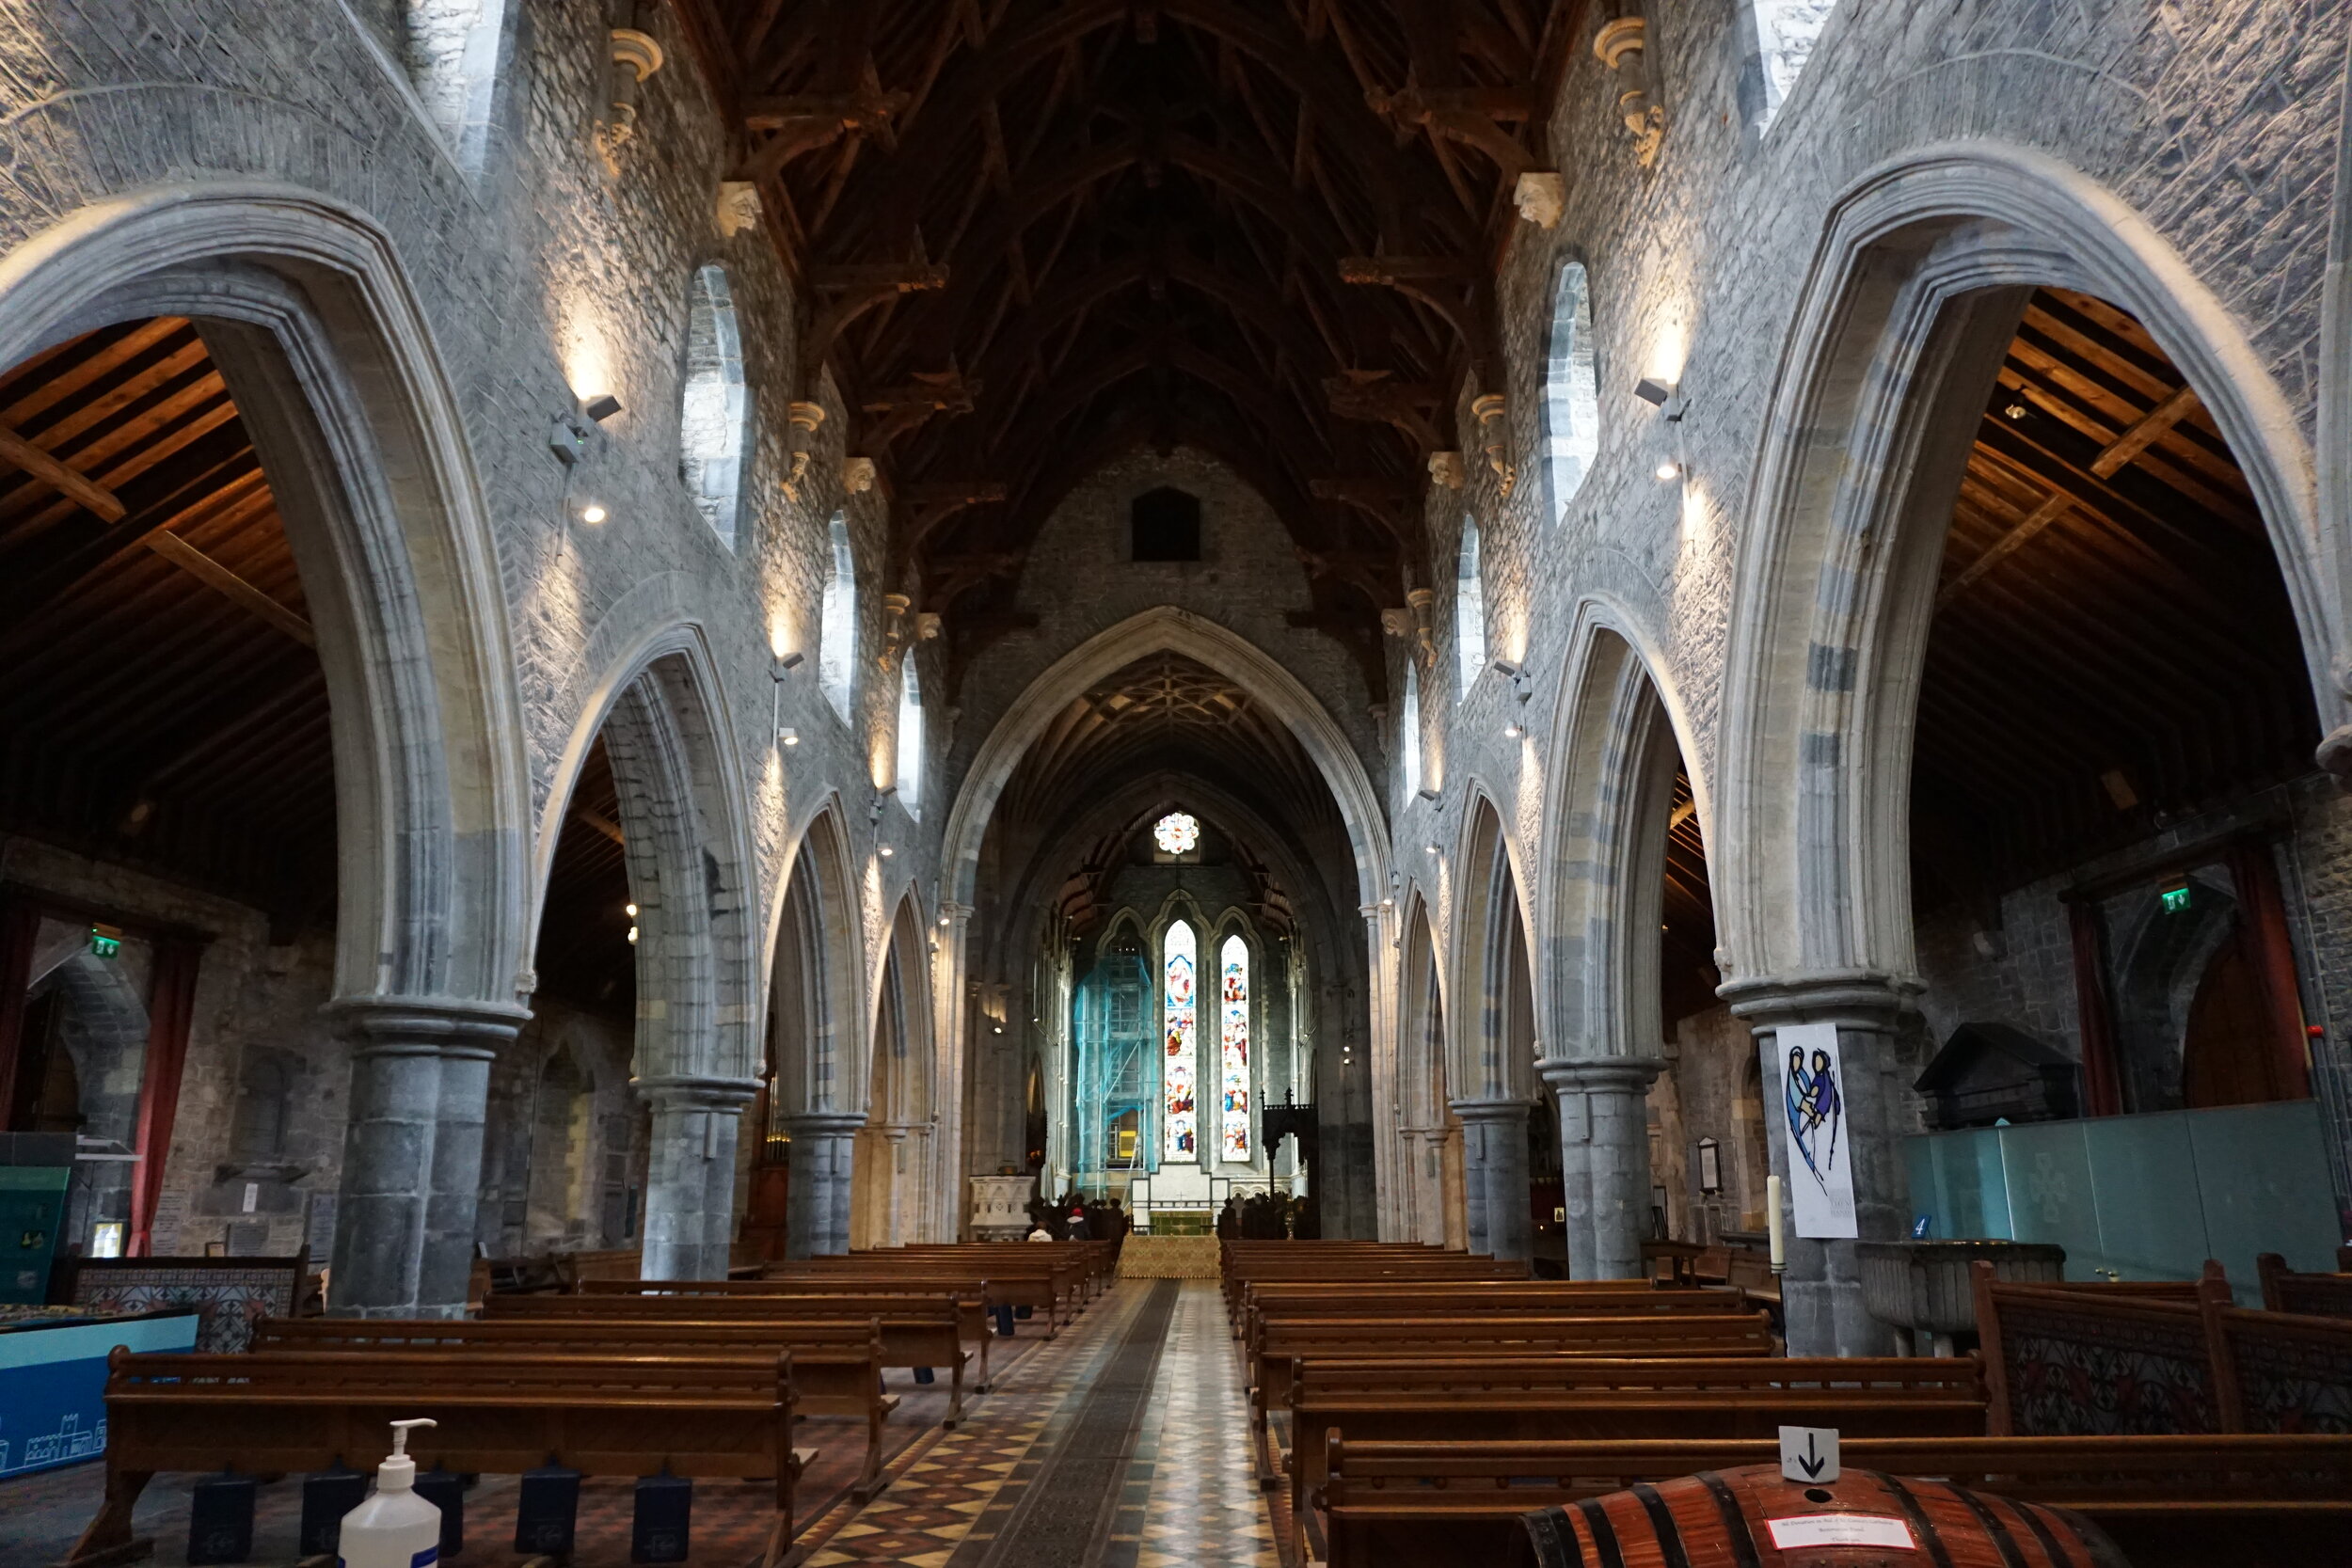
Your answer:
<point x="2176" y="900"/>
<point x="105" y="941"/>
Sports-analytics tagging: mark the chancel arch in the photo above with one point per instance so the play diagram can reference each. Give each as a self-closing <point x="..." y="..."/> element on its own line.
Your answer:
<point x="2028" y="394"/>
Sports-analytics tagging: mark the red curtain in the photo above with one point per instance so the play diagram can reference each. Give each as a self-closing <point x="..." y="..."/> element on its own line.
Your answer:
<point x="20" y="927"/>
<point x="2262" y="910"/>
<point x="171" y="1007"/>
<point x="2103" y="1094"/>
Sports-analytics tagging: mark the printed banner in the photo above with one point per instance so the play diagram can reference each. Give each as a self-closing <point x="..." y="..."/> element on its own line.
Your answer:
<point x="1802" y="1060"/>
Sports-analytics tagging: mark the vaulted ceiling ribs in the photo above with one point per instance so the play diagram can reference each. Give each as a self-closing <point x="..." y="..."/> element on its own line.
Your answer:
<point x="1034" y="234"/>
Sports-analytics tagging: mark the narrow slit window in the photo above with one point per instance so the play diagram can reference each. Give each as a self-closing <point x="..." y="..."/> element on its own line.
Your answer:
<point x="710" y="423"/>
<point x="836" y="658"/>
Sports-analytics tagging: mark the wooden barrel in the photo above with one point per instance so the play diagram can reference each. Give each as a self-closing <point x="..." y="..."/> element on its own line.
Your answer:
<point x="1753" y="1518"/>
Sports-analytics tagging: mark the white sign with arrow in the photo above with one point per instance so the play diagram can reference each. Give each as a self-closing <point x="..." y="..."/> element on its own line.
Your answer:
<point x="1808" y="1455"/>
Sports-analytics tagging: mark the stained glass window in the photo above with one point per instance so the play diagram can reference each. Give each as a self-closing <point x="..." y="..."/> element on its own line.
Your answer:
<point x="1233" y="1034"/>
<point x="1176" y="834"/>
<point x="1179" y="1085"/>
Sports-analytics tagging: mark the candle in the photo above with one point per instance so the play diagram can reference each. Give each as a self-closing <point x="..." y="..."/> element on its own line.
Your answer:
<point x="1771" y="1218"/>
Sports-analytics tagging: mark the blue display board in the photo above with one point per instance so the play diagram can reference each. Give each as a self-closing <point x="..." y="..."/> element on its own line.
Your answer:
<point x="53" y="1384"/>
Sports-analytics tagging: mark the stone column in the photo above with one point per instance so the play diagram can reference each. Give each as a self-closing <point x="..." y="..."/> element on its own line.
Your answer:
<point x="1604" y="1160"/>
<point x="690" y="1174"/>
<point x="412" y="1151"/>
<point x="1822" y="1290"/>
<point x="895" y="1228"/>
<point x="823" y="1154"/>
<point x="1494" y="1175"/>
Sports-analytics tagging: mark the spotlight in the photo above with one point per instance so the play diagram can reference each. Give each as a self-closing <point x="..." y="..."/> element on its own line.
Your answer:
<point x="602" y="407"/>
<point x="1387" y="903"/>
<point x="1514" y="730"/>
<point x="943" y="920"/>
<point x="592" y="513"/>
<point x="1668" y="470"/>
<point x="1428" y="848"/>
<point x="1667" y="399"/>
<point x="788" y="661"/>
<point x="1428" y="794"/>
<point x="788" y="737"/>
<point x="633" y="936"/>
<point x="887" y="852"/>
<point x="630" y="910"/>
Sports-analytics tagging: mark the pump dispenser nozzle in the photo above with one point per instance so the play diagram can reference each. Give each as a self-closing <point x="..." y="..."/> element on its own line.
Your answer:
<point x="398" y="1472"/>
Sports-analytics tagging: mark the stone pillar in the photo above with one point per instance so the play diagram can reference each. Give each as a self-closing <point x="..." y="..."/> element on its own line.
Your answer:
<point x="896" y="1228"/>
<point x="1822" y="1290"/>
<point x="1423" y="1197"/>
<point x="412" y="1151"/>
<point x="1604" y="1161"/>
<point x="823" y="1154"/>
<point x="1494" y="1175"/>
<point x="690" y="1174"/>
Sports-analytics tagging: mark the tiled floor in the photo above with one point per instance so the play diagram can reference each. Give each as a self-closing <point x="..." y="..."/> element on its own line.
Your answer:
<point x="1189" y="1497"/>
<point x="1205" y="1509"/>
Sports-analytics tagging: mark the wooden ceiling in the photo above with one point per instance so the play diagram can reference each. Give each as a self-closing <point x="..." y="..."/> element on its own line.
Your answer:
<point x="161" y="703"/>
<point x="1032" y="234"/>
<point x="584" y="956"/>
<point x="1686" y="959"/>
<point x="2112" y="644"/>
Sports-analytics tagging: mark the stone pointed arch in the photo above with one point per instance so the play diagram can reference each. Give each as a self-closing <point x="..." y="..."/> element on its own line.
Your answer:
<point x="1610" y="795"/>
<point x="818" y="1042"/>
<point x="1914" y="290"/>
<point x="305" y="307"/>
<point x="894" y="1182"/>
<point x="1426" y="1199"/>
<point x="661" y="709"/>
<point x="1491" y="1056"/>
<point x="1163" y="628"/>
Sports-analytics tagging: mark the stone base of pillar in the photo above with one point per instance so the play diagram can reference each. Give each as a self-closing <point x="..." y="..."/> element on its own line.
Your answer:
<point x="1494" y="1176"/>
<point x="825" y="1145"/>
<point x="1604" y="1160"/>
<point x="1822" y="1287"/>
<point x="690" y="1175"/>
<point x="412" y="1151"/>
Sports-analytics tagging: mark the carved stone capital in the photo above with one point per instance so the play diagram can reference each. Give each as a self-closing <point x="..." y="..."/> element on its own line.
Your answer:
<point x="1627" y="35"/>
<point x="638" y="52"/>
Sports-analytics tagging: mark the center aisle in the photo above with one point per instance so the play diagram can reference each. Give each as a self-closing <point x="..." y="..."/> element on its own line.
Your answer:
<point x="1124" y="1443"/>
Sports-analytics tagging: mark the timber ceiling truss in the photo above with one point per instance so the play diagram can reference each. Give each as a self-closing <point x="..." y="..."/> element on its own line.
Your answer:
<point x="1032" y="235"/>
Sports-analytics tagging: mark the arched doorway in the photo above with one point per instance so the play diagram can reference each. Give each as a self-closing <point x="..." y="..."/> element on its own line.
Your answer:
<point x="1429" y="1156"/>
<point x="1492" y="1069"/>
<point x="892" y="1177"/>
<point x="816" y="1053"/>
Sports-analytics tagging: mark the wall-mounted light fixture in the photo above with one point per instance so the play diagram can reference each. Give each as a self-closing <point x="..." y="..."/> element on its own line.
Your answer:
<point x="1428" y="848"/>
<point x="1669" y="471"/>
<point x="788" y="661"/>
<point x="601" y="407"/>
<point x="1515" y="731"/>
<point x="1428" y="794"/>
<point x="1667" y="399"/>
<point x="886" y="851"/>
<point x="592" y="513"/>
<point x="787" y="737"/>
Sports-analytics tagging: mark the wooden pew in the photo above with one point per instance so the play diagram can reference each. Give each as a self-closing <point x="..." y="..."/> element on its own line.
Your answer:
<point x="848" y="1297"/>
<point x="1041" y="1284"/>
<point x="1561" y="1397"/>
<point x="1098" y="1262"/>
<point x="1285" y="1342"/>
<point x="2317" y="1295"/>
<point x="699" y="1416"/>
<point x="2260" y="1501"/>
<point x="918" y="1331"/>
<point x="1263" y="1303"/>
<point x="2073" y="1362"/>
<point x="836" y="1365"/>
<point x="1371" y="1275"/>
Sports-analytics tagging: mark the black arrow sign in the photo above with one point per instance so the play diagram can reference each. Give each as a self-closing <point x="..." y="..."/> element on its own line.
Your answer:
<point x="1812" y="1464"/>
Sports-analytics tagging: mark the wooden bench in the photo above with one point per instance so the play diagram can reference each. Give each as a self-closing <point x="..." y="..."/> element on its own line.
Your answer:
<point x="918" y="1331"/>
<point x="1285" y="1342"/>
<point x="1047" y="1288"/>
<point x="1563" y="1397"/>
<point x="2316" y="1295"/>
<point x="1097" y="1261"/>
<point x="826" y="1298"/>
<point x="2072" y="1362"/>
<point x="836" y="1365"/>
<point x="2168" y="1502"/>
<point x="698" y="1417"/>
<point x="1263" y="1303"/>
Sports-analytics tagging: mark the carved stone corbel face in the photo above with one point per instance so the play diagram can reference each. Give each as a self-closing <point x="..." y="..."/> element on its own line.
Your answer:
<point x="1490" y="411"/>
<point x="1541" y="196"/>
<point x="857" y="475"/>
<point x="1445" y="467"/>
<point x="738" y="207"/>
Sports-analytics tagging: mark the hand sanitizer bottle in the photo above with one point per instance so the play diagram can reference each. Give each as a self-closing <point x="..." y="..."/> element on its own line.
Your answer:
<point x="395" y="1528"/>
